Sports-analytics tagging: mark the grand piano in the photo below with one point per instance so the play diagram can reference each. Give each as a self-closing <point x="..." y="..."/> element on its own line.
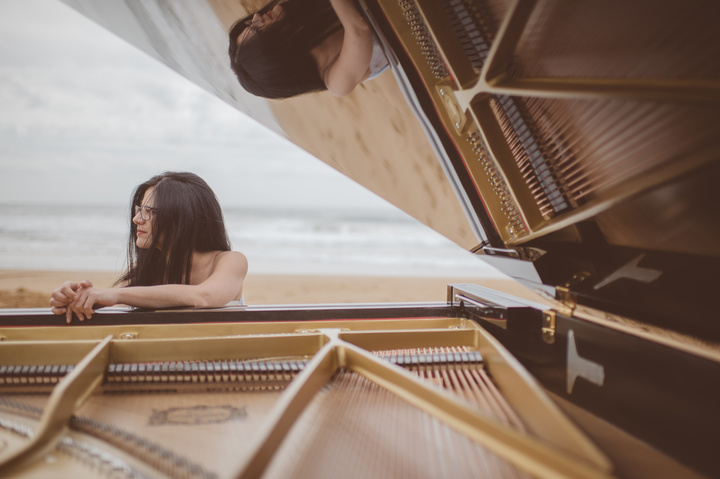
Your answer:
<point x="572" y="145"/>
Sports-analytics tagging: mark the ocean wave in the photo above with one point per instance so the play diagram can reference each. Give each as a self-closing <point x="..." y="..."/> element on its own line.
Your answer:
<point x="92" y="237"/>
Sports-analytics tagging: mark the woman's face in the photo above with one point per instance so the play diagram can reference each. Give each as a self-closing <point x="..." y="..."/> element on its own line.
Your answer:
<point x="144" y="219"/>
<point x="260" y="22"/>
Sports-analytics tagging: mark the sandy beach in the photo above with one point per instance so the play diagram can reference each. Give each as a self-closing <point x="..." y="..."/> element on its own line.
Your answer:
<point x="31" y="289"/>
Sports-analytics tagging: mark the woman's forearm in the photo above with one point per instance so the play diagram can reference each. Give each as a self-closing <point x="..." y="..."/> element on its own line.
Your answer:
<point x="169" y="295"/>
<point x="224" y="285"/>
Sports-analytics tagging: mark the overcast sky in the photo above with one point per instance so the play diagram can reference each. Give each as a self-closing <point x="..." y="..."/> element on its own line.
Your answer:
<point x="85" y="117"/>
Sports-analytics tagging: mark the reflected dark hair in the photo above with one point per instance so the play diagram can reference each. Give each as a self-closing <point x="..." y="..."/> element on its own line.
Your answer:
<point x="276" y="62"/>
<point x="187" y="218"/>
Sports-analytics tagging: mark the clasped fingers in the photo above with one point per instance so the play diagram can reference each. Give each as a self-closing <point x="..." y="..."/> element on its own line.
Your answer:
<point x="68" y="292"/>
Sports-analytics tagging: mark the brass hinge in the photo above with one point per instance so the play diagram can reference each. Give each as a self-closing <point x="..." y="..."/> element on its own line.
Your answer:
<point x="564" y="295"/>
<point x="548" y="326"/>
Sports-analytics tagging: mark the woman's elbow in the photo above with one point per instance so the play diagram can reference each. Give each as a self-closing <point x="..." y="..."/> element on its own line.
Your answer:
<point x="340" y="93"/>
<point x="199" y="303"/>
<point x="341" y="88"/>
<point x="211" y="299"/>
<point x="204" y="299"/>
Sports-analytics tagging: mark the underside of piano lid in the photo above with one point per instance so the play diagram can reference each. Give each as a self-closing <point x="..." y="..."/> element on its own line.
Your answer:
<point x="582" y="138"/>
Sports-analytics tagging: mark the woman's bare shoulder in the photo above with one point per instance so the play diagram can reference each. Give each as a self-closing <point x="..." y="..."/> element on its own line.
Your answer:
<point x="231" y="254"/>
<point x="231" y="258"/>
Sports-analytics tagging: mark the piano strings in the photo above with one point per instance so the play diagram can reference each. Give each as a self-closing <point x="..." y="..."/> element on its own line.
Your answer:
<point x="353" y="427"/>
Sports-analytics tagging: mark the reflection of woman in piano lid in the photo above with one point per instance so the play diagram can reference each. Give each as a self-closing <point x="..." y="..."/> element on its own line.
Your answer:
<point x="178" y="252"/>
<point x="299" y="46"/>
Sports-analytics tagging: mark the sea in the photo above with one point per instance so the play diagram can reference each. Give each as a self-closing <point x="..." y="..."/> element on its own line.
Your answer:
<point x="366" y="243"/>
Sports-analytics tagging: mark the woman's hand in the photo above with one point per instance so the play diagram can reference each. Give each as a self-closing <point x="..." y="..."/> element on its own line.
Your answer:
<point x="88" y="298"/>
<point x="79" y="297"/>
<point x="66" y="294"/>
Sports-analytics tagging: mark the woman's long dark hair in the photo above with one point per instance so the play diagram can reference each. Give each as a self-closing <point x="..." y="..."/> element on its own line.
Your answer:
<point x="187" y="218"/>
<point x="276" y="62"/>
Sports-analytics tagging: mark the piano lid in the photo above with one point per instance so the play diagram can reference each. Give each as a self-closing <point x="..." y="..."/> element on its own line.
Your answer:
<point x="371" y="136"/>
<point x="573" y="144"/>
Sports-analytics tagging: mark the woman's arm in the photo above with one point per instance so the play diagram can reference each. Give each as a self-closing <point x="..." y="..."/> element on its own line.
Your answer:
<point x="350" y="66"/>
<point x="223" y="285"/>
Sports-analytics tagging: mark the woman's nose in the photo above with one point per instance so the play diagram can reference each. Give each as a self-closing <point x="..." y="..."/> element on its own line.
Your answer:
<point x="257" y="18"/>
<point x="138" y="219"/>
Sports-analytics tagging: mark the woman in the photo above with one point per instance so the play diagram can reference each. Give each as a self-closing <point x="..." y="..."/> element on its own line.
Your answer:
<point x="178" y="252"/>
<point x="298" y="46"/>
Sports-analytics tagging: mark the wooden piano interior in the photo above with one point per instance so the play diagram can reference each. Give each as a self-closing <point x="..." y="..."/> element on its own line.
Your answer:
<point x="421" y="397"/>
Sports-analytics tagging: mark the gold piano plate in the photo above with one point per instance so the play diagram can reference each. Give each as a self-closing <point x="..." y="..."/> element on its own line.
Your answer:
<point x="380" y="398"/>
